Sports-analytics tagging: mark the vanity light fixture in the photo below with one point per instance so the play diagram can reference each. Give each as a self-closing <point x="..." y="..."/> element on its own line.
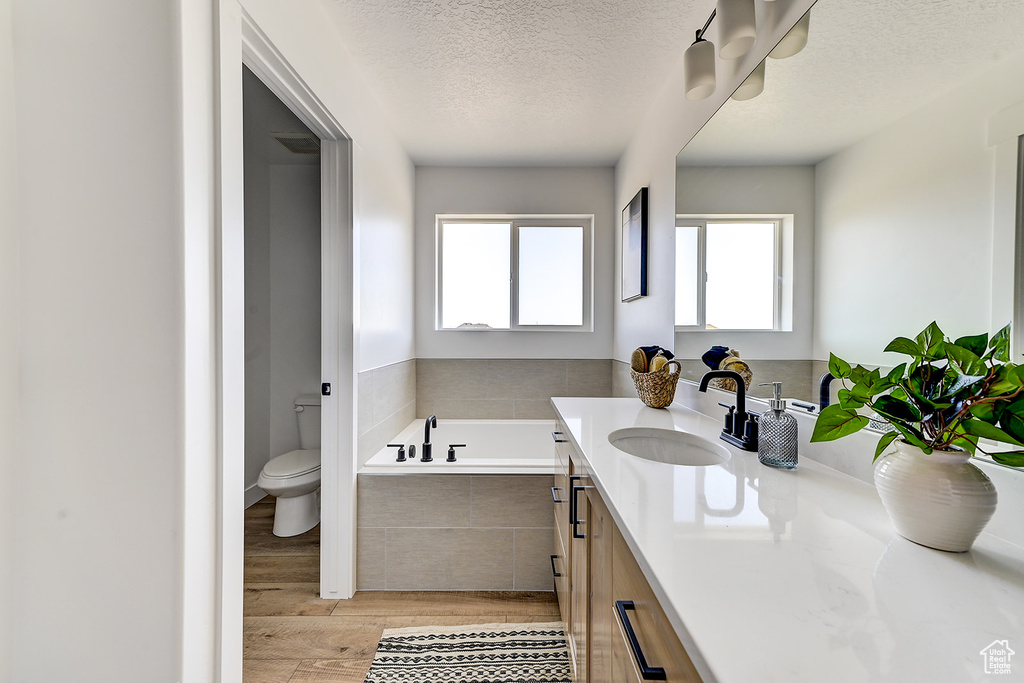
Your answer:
<point x="736" y="27"/>
<point x="752" y="86"/>
<point x="795" y="40"/>
<point x="699" y="65"/>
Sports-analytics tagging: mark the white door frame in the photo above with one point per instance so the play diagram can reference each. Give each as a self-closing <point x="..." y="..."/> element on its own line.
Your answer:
<point x="212" y="609"/>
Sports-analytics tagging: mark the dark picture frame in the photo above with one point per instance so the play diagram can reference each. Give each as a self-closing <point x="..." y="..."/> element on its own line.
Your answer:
<point x="634" y="247"/>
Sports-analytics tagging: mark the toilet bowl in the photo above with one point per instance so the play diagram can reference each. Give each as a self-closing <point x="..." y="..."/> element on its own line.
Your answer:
<point x="294" y="477"/>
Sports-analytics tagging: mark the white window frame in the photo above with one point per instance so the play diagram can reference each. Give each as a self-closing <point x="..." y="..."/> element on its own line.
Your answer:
<point x="781" y="298"/>
<point x="584" y="221"/>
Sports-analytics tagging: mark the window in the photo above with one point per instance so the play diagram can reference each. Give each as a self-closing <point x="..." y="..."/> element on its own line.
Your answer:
<point x="728" y="273"/>
<point x="529" y="273"/>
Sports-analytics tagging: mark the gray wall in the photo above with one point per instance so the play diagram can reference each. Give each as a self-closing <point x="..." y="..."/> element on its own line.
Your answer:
<point x="282" y="280"/>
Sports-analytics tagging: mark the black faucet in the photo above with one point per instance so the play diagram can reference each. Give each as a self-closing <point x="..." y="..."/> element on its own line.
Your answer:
<point x="431" y="422"/>
<point x="824" y="386"/>
<point x="740" y="429"/>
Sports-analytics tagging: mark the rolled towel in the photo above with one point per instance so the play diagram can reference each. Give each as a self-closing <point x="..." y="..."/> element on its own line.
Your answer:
<point x="736" y="364"/>
<point x="714" y="356"/>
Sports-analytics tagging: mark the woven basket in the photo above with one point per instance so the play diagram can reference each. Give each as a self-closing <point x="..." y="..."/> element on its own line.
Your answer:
<point x="657" y="389"/>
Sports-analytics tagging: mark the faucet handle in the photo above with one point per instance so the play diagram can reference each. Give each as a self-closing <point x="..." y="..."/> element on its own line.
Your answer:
<point x="451" y="451"/>
<point x="401" y="451"/>
<point x="730" y="416"/>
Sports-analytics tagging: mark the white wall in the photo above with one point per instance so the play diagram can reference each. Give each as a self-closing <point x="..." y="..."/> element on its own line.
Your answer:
<point x="383" y="175"/>
<point x="282" y="280"/>
<point x="97" y="548"/>
<point x="513" y="191"/>
<point x="97" y="559"/>
<point x="650" y="160"/>
<point x="754" y="190"/>
<point x="905" y="226"/>
<point x="8" y="339"/>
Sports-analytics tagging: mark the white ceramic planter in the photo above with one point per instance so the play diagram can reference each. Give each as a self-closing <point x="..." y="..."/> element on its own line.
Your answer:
<point x="940" y="500"/>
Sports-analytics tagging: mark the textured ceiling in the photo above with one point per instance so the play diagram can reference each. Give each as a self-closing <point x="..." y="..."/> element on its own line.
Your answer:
<point x="516" y="81"/>
<point x="867" y="64"/>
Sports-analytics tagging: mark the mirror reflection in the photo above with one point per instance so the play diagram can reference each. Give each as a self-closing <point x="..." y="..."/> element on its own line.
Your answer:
<point x="874" y="179"/>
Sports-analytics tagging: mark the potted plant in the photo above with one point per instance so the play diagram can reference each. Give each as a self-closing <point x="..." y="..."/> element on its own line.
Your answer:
<point x="940" y="403"/>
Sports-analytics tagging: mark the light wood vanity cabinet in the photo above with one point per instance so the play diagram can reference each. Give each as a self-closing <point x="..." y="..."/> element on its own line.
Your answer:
<point x="600" y="572"/>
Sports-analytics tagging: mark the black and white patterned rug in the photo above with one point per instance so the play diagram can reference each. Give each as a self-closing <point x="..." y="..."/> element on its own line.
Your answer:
<point x="482" y="653"/>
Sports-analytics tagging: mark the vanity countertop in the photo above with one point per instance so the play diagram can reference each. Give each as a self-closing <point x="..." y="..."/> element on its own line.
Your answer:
<point x="795" y="576"/>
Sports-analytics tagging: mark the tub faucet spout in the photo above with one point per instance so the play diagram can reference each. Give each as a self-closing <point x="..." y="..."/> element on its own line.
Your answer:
<point x="431" y="422"/>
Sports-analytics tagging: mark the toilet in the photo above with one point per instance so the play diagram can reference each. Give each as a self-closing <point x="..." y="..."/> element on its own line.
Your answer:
<point x="294" y="477"/>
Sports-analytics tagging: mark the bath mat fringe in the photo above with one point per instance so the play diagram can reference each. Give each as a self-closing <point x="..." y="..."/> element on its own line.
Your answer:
<point x="481" y="653"/>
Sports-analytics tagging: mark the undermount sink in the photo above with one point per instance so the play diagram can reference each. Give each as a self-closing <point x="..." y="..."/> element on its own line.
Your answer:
<point x="668" y="446"/>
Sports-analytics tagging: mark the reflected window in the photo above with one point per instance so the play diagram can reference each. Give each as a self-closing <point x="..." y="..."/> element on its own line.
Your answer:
<point x="728" y="274"/>
<point x="513" y="274"/>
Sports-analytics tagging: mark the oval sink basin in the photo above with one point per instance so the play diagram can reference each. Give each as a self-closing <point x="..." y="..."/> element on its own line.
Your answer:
<point x="668" y="446"/>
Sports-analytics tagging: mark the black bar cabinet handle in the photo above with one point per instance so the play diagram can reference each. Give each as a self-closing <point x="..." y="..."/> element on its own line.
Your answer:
<point x="572" y="499"/>
<point x="576" y="517"/>
<point x="554" y="571"/>
<point x="554" y="435"/>
<point x="554" y="496"/>
<point x="647" y="672"/>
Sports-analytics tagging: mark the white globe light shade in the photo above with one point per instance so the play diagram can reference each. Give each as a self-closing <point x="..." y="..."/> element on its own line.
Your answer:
<point x="794" y="41"/>
<point x="752" y="86"/>
<point x="736" y="27"/>
<point x="699" y="70"/>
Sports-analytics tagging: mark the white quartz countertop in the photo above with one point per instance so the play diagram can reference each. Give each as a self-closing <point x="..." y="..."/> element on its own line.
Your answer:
<point x="793" y="576"/>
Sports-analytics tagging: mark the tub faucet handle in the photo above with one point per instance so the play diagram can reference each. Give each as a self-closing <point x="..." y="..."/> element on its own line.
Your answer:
<point x="451" y="450"/>
<point x="401" y="451"/>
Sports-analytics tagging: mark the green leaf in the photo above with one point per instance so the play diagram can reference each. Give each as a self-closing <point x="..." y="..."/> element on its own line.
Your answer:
<point x="987" y="431"/>
<point x="931" y="342"/>
<point x="883" y="443"/>
<point x="835" y="422"/>
<point x="999" y="346"/>
<point x="837" y="366"/>
<point x="976" y="344"/>
<point x="987" y="412"/>
<point x="894" y="409"/>
<point x="1013" y="459"/>
<point x="848" y="400"/>
<point x="858" y="373"/>
<point x="912" y="436"/>
<point x="896" y="374"/>
<point x="1012" y="420"/>
<point x="966" y="361"/>
<point x="962" y="382"/>
<point x="908" y="347"/>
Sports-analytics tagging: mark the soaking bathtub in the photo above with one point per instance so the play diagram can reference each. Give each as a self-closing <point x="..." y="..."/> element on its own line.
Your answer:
<point x="484" y="522"/>
<point x="492" y="447"/>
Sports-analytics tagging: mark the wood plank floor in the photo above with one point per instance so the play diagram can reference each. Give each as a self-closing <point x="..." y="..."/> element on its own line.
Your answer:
<point x="290" y="635"/>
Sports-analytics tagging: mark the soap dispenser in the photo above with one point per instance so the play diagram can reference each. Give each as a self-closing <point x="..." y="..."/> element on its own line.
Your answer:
<point x="777" y="435"/>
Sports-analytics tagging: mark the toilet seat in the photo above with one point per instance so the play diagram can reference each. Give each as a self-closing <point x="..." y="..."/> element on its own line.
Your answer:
<point x="292" y="464"/>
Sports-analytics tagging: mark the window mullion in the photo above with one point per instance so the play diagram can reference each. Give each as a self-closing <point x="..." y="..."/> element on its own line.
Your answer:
<point x="513" y="275"/>
<point x="702" y="274"/>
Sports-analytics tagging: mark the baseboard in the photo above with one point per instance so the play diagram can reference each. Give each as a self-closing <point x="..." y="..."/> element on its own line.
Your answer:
<point x="254" y="494"/>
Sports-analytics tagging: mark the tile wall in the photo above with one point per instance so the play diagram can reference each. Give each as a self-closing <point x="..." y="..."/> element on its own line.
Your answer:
<point x="387" y="404"/>
<point x="454" y="532"/>
<point x="504" y="389"/>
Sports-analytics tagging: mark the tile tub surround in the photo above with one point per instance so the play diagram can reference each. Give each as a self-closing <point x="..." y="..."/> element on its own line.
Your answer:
<point x="472" y="388"/>
<point x="454" y="532"/>
<point x="387" y="403"/>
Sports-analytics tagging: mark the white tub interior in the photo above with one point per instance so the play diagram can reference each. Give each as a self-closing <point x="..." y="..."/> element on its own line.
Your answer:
<point x="492" y="446"/>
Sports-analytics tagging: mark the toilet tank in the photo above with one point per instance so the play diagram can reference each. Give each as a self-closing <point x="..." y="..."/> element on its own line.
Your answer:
<point x="307" y="411"/>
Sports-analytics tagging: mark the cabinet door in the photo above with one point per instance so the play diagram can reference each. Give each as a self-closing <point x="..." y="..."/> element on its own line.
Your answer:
<point x="560" y="573"/>
<point x="654" y="638"/>
<point x="602" y="619"/>
<point x="579" y="612"/>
